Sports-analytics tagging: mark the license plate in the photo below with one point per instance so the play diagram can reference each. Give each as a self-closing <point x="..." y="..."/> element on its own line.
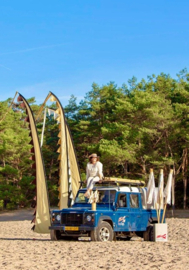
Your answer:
<point x="71" y="228"/>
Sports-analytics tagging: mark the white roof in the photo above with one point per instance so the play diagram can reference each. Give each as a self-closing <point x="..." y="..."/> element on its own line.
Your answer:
<point x="124" y="189"/>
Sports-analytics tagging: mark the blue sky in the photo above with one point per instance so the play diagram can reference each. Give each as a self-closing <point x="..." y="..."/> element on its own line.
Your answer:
<point x="64" y="46"/>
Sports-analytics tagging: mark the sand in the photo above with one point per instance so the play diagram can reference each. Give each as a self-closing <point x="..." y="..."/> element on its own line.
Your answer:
<point x="21" y="248"/>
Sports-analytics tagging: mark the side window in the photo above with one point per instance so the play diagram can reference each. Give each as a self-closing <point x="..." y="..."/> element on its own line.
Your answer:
<point x="134" y="202"/>
<point x="106" y="196"/>
<point x="122" y="200"/>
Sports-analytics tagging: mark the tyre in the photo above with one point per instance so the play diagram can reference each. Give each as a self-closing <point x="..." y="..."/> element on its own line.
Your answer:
<point x="103" y="232"/>
<point x="151" y="233"/>
<point x="148" y="235"/>
<point x="55" y="235"/>
<point x="93" y="235"/>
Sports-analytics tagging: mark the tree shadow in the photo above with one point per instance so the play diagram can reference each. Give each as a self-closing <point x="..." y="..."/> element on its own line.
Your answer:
<point x="24" y="239"/>
<point x="18" y="215"/>
<point x="177" y="213"/>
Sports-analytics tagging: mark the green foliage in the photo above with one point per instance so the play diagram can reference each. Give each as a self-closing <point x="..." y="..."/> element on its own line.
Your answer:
<point x="50" y="157"/>
<point x="132" y="128"/>
<point x="137" y="127"/>
<point x="1" y="204"/>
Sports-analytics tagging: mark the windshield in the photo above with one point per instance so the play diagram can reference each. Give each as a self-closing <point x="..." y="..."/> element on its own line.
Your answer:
<point x="105" y="196"/>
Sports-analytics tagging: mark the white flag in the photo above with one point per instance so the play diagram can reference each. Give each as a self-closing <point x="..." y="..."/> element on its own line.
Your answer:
<point x="70" y="179"/>
<point x="167" y="190"/>
<point x="56" y="115"/>
<point x="70" y="188"/>
<point x="50" y="112"/>
<point x="91" y="199"/>
<point x="150" y="188"/>
<point x="160" y="190"/>
<point x="43" y="129"/>
<point x="96" y="196"/>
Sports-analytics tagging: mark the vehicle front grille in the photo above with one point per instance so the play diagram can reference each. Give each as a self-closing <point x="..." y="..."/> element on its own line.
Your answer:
<point x="71" y="219"/>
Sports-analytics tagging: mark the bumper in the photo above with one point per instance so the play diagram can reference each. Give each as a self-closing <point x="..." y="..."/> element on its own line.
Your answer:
<point x="62" y="228"/>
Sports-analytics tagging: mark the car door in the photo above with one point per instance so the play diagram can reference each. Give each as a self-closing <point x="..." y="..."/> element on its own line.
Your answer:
<point x="121" y="214"/>
<point x="135" y="212"/>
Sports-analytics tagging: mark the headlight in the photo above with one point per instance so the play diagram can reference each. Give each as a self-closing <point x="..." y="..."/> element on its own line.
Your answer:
<point x="58" y="217"/>
<point x="88" y="218"/>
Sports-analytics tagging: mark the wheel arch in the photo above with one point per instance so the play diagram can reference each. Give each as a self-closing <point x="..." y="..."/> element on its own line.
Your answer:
<point x="152" y="221"/>
<point x="106" y="219"/>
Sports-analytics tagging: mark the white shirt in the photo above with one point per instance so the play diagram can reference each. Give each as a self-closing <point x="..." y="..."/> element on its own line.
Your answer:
<point x="93" y="170"/>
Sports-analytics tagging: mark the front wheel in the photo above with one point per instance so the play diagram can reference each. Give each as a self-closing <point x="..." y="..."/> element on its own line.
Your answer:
<point x="55" y="235"/>
<point x="103" y="233"/>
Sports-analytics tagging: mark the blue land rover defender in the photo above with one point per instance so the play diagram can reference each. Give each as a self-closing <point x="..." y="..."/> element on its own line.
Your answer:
<point x="121" y="212"/>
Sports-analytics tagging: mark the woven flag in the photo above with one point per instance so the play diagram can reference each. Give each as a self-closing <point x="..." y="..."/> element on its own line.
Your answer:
<point x="160" y="190"/>
<point x="150" y="188"/>
<point x="167" y="190"/>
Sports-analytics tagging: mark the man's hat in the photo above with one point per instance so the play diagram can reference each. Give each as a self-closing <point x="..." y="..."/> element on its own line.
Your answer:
<point x="93" y="155"/>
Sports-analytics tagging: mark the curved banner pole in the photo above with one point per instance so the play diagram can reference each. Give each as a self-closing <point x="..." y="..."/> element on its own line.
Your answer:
<point x="9" y="108"/>
<point x="42" y="213"/>
<point x="69" y="175"/>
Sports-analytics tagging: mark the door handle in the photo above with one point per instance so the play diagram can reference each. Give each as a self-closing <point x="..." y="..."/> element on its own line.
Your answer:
<point x="138" y="216"/>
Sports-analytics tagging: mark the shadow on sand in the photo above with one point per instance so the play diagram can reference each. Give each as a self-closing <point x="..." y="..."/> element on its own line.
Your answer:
<point x="17" y="215"/>
<point x="24" y="239"/>
<point x="178" y="213"/>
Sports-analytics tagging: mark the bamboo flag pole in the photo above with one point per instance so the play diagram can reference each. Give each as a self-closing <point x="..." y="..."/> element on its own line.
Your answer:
<point x="9" y="107"/>
<point x="42" y="106"/>
<point x="164" y="210"/>
<point x="158" y="204"/>
<point x="157" y="211"/>
<point x="151" y="188"/>
<point x="160" y="193"/>
<point x="44" y="121"/>
<point x="173" y="192"/>
<point x="151" y="173"/>
<point x="168" y="193"/>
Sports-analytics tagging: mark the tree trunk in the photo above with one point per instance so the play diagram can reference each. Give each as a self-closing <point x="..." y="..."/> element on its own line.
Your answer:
<point x="173" y="190"/>
<point x="143" y="165"/>
<point x="170" y="152"/>
<point x="184" y="175"/>
<point x="125" y="166"/>
<point x="4" y="162"/>
<point x="185" y="189"/>
<point x="51" y="166"/>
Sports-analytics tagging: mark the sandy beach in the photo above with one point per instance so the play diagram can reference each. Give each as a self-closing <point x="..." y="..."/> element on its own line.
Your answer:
<point x="21" y="248"/>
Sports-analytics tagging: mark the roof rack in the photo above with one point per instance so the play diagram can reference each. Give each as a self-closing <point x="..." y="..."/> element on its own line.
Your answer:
<point x="119" y="182"/>
<point x="122" y="182"/>
<point x="107" y="181"/>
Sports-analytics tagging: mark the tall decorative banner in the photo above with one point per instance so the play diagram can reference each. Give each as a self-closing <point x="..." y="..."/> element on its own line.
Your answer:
<point x="167" y="190"/>
<point x="69" y="176"/>
<point x="150" y="188"/>
<point x="42" y="213"/>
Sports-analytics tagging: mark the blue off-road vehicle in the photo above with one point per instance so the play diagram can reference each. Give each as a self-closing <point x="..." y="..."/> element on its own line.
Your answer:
<point x="121" y="212"/>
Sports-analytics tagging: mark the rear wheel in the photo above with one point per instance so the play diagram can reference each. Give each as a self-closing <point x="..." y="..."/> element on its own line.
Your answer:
<point x="148" y="235"/>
